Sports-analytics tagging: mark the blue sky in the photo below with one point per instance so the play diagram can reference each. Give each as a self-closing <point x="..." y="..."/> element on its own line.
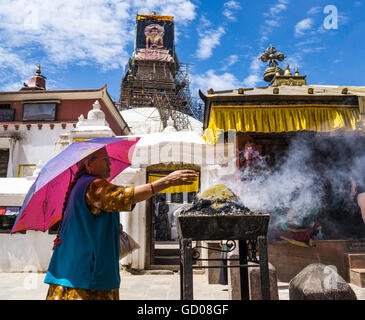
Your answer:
<point x="85" y="44"/>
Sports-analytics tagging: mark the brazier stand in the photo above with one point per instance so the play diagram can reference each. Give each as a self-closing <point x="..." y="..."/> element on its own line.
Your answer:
<point x="248" y="230"/>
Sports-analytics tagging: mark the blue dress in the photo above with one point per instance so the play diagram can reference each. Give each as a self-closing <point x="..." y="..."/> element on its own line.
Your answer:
<point x="88" y="257"/>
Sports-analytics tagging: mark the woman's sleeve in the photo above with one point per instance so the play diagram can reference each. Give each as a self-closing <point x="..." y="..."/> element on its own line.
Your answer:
<point x="102" y="195"/>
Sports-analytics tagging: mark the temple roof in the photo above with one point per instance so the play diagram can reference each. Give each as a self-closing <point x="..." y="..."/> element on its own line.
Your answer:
<point x="318" y="90"/>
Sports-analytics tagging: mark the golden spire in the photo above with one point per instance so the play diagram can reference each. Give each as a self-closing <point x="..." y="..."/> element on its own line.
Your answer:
<point x="287" y="70"/>
<point x="38" y="71"/>
<point x="296" y="71"/>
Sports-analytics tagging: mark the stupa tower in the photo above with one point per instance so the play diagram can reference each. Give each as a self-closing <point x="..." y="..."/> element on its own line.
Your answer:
<point x="154" y="77"/>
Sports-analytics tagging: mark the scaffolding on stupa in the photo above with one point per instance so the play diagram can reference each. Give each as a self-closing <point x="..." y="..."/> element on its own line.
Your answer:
<point x="163" y="84"/>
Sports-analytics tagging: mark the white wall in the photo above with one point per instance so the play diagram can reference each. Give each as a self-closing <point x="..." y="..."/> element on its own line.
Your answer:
<point x="25" y="252"/>
<point x="30" y="251"/>
<point x="32" y="145"/>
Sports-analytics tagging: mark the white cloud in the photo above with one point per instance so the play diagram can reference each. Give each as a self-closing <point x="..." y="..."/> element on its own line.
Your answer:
<point x="210" y="79"/>
<point x="12" y="86"/>
<point x="13" y="71"/>
<point x="255" y="75"/>
<point x="96" y="32"/>
<point x="308" y="41"/>
<point x="229" y="61"/>
<point x="208" y="40"/>
<point x="357" y="4"/>
<point x="343" y="19"/>
<point x="230" y="8"/>
<point x="313" y="49"/>
<point x="251" y="81"/>
<point x="314" y="10"/>
<point x="272" y="20"/>
<point x="11" y="60"/>
<point x="302" y="26"/>
<point x="204" y="22"/>
<point x="182" y="10"/>
<point x="280" y="6"/>
<point x="294" y="60"/>
<point x="69" y="31"/>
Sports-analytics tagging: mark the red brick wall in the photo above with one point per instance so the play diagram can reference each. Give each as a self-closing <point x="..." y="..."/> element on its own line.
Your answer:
<point x="70" y="110"/>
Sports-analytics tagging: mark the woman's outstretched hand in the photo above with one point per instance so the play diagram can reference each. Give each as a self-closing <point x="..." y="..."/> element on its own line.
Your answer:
<point x="181" y="177"/>
<point x="176" y="178"/>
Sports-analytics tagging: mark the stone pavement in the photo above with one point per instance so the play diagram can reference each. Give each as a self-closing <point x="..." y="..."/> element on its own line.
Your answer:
<point x="30" y="286"/>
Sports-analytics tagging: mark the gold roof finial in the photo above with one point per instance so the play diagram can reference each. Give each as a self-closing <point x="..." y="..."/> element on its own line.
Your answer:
<point x="38" y="71"/>
<point x="272" y="55"/>
<point x="277" y="72"/>
<point x="296" y="71"/>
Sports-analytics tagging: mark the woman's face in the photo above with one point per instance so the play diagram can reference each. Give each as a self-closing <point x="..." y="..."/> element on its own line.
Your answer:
<point x="99" y="166"/>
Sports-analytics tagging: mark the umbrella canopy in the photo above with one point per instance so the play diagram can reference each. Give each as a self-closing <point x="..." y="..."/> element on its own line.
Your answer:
<point x="42" y="207"/>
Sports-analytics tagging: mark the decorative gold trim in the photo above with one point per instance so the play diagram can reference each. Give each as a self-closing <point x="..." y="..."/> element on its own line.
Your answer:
<point x="154" y="17"/>
<point x="22" y="167"/>
<point x="79" y="140"/>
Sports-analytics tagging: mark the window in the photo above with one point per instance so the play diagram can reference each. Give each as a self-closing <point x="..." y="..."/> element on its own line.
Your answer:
<point x="7" y="218"/>
<point x="4" y="160"/>
<point x="177" y="197"/>
<point x="6" y="113"/>
<point x="39" y="111"/>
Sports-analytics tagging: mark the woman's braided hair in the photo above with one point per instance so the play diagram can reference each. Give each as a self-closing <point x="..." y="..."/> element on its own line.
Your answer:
<point x="81" y="170"/>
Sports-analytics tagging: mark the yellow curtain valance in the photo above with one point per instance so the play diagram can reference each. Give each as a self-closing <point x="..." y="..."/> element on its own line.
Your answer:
<point x="175" y="189"/>
<point x="280" y="118"/>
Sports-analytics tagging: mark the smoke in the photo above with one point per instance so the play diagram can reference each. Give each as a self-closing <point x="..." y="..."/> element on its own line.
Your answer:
<point x="312" y="176"/>
<point x="291" y="185"/>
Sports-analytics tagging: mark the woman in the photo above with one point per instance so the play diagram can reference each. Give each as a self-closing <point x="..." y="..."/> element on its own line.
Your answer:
<point x="85" y="261"/>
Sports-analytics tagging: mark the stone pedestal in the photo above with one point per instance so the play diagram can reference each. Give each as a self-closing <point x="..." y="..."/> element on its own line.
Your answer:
<point x="213" y="273"/>
<point x="320" y="282"/>
<point x="234" y="290"/>
<point x="234" y="285"/>
<point x="255" y="284"/>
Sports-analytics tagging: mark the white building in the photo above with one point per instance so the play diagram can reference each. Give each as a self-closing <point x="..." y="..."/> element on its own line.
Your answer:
<point x="156" y="151"/>
<point x="35" y="124"/>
